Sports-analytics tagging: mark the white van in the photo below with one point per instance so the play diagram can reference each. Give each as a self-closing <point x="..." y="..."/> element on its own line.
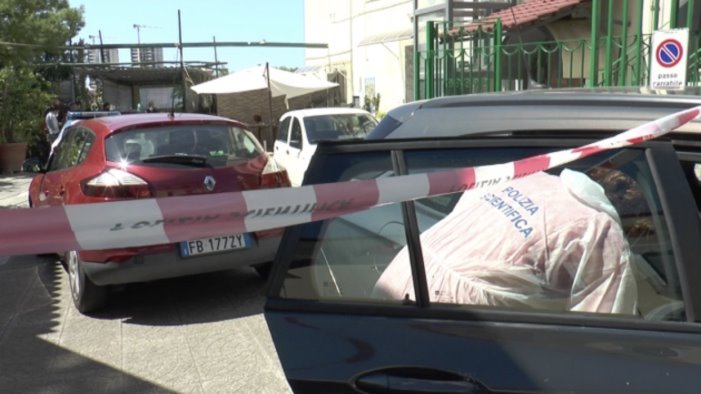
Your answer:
<point x="299" y="131"/>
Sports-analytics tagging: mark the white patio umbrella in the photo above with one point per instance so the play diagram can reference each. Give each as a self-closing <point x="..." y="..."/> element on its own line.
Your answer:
<point x="281" y="83"/>
<point x="278" y="83"/>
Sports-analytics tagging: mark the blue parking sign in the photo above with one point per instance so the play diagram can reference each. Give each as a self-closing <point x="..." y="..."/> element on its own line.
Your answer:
<point x="669" y="53"/>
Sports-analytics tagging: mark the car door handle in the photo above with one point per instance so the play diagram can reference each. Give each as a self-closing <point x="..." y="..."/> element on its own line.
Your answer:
<point x="417" y="380"/>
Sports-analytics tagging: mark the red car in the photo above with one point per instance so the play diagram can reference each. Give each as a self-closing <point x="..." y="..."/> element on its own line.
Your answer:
<point x="156" y="155"/>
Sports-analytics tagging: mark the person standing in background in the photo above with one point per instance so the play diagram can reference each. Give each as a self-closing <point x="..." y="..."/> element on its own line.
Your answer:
<point x="151" y="107"/>
<point x="51" y="121"/>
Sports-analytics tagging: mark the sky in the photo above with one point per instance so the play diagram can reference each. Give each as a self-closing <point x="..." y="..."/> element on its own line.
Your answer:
<point x="201" y="20"/>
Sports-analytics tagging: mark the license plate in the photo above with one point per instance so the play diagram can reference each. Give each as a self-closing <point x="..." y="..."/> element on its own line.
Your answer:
<point x="214" y="244"/>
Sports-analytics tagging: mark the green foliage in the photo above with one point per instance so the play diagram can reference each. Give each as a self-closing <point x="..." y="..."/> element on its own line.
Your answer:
<point x="23" y="98"/>
<point x="372" y="103"/>
<point x="33" y="31"/>
<point x="55" y="72"/>
<point x="288" y="69"/>
<point x="39" y="27"/>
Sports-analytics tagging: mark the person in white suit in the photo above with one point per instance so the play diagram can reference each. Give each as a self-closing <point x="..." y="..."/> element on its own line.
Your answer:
<point x="544" y="241"/>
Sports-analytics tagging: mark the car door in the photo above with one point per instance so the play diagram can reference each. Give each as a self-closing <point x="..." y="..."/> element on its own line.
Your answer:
<point x="334" y="333"/>
<point x="281" y="145"/>
<point x="59" y="181"/>
<point x="49" y="192"/>
<point x="296" y="164"/>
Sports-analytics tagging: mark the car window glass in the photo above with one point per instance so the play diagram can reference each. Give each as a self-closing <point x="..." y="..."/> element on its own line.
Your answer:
<point x="342" y="258"/>
<point x="89" y="139"/>
<point x="56" y="160"/>
<point x="220" y="145"/>
<point x="338" y="126"/>
<point x="282" y="129"/>
<point x="246" y="142"/>
<point x="60" y="160"/>
<point x="72" y="149"/>
<point x="589" y="237"/>
<point x="296" y="134"/>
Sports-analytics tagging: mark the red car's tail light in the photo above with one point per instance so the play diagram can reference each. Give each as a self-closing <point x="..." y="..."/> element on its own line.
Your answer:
<point x="117" y="184"/>
<point x="273" y="176"/>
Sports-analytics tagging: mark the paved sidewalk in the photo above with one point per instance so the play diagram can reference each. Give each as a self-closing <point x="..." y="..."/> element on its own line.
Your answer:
<point x="199" y="334"/>
<point x="14" y="190"/>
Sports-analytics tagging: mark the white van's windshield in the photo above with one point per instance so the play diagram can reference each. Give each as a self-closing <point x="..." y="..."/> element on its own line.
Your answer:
<point x="338" y="126"/>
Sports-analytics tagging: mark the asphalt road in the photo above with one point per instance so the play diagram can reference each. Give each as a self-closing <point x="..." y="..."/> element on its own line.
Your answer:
<point x="201" y="334"/>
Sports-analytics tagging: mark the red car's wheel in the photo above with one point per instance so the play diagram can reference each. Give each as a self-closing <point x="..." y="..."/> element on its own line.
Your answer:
<point x="86" y="295"/>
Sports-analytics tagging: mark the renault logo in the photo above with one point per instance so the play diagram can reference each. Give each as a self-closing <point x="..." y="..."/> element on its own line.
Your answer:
<point x="209" y="182"/>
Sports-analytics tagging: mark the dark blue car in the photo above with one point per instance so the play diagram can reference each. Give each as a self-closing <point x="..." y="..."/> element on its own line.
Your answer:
<point x="436" y="295"/>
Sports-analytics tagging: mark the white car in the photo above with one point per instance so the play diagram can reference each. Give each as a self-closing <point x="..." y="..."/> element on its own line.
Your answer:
<point x="300" y="130"/>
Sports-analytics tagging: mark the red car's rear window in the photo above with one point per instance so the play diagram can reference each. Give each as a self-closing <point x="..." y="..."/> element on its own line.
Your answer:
<point x="214" y="145"/>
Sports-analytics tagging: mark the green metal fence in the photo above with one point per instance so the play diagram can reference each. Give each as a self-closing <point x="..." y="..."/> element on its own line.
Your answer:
<point x="457" y="61"/>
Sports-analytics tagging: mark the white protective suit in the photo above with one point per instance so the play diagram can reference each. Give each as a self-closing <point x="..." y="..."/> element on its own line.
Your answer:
<point x="542" y="241"/>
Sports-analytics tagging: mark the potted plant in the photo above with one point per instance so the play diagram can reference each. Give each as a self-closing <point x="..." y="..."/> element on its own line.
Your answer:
<point x="24" y="98"/>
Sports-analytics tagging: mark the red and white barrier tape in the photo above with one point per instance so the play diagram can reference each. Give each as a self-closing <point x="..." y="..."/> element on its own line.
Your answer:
<point x="174" y="219"/>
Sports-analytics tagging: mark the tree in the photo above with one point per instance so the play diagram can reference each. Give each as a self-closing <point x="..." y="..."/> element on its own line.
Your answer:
<point x="33" y="32"/>
<point x="289" y="69"/>
<point x="23" y="99"/>
<point x="36" y="29"/>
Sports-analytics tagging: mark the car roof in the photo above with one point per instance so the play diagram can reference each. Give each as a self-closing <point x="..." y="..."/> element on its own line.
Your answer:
<point x="114" y="123"/>
<point x="552" y="110"/>
<point x="325" y="111"/>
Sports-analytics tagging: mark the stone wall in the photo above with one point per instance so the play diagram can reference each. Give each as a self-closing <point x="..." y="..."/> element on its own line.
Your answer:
<point x="243" y="106"/>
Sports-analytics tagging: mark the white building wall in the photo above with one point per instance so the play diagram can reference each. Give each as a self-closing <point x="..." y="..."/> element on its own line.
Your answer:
<point x="383" y="65"/>
<point x="347" y="26"/>
<point x="328" y="22"/>
<point x="383" y="60"/>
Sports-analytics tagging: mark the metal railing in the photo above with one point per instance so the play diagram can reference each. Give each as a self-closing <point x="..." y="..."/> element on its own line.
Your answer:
<point x="457" y="61"/>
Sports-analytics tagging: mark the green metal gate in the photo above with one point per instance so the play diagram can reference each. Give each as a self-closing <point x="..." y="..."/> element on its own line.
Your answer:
<point x="460" y="61"/>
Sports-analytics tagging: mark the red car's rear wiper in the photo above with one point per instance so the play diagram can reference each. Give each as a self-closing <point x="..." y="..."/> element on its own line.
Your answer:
<point x="189" y="160"/>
